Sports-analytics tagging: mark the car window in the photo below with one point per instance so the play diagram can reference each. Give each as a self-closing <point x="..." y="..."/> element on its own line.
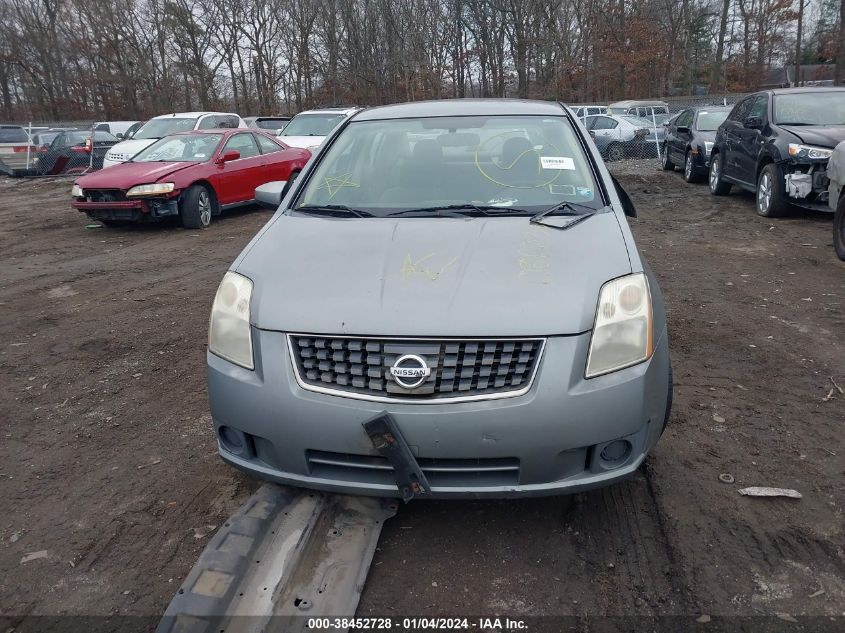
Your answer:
<point x="604" y="123"/>
<point x="759" y="108"/>
<point x="810" y="108"/>
<point x="180" y="148"/>
<point x="227" y="121"/>
<point x="710" y="120"/>
<point x="520" y="162"/>
<point x="685" y="119"/>
<point x="268" y="146"/>
<point x="270" y="124"/>
<point x="243" y="143"/>
<point x="207" y="123"/>
<point x="740" y="110"/>
<point x="312" y="124"/>
<point x="104" y="127"/>
<point x="159" y="128"/>
<point x="13" y="135"/>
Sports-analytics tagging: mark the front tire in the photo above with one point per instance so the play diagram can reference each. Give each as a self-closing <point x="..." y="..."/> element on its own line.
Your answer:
<point x="839" y="229"/>
<point x="690" y="175"/>
<point x="666" y="163"/>
<point x="197" y="207"/>
<point x="771" y="202"/>
<point x="718" y="187"/>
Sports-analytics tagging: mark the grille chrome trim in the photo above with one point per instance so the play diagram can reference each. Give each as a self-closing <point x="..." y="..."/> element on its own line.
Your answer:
<point x="399" y="400"/>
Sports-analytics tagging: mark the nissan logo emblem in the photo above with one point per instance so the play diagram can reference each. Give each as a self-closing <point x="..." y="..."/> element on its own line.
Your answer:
<point x="410" y="371"/>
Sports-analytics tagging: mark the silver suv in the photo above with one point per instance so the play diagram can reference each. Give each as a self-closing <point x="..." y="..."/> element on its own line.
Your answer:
<point x="447" y="302"/>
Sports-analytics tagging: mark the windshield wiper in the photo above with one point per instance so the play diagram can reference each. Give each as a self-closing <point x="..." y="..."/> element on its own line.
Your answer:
<point x="465" y="209"/>
<point x="564" y="208"/>
<point x="334" y="210"/>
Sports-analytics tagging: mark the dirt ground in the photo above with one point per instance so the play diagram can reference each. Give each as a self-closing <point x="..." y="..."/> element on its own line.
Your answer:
<point x="108" y="463"/>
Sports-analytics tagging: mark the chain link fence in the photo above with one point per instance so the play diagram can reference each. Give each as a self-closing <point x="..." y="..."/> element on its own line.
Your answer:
<point x="631" y="135"/>
<point x="52" y="149"/>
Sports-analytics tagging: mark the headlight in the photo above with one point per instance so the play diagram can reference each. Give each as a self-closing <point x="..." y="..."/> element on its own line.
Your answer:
<point x="708" y="147"/>
<point x="622" y="334"/>
<point x="76" y="191"/>
<point x="151" y="190"/>
<point x="809" y="151"/>
<point x="228" y="330"/>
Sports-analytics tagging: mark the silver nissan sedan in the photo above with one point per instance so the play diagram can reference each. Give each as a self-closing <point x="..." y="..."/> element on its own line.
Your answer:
<point x="448" y="302"/>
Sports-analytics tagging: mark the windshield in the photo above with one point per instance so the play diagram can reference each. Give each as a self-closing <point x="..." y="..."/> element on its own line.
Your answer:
<point x="159" y="128"/>
<point x="517" y="163"/>
<point x="270" y="124"/>
<point x="810" y="108"/>
<point x="710" y="120"/>
<point x="194" y="148"/>
<point x="312" y="124"/>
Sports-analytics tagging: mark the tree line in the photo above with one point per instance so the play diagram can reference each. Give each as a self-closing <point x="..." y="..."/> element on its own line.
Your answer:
<point x="130" y="59"/>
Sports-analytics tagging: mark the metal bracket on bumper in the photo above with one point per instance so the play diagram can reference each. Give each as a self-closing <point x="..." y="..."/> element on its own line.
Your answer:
<point x="389" y="442"/>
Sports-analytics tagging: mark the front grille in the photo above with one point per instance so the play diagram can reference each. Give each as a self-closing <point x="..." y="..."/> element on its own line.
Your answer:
<point x="360" y="367"/>
<point x="375" y="469"/>
<point x="104" y="195"/>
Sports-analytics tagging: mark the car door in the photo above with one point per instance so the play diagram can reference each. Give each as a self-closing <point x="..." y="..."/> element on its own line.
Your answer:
<point x="732" y="138"/>
<point x="236" y="180"/>
<point x="682" y="136"/>
<point x="278" y="161"/>
<point x="751" y="139"/>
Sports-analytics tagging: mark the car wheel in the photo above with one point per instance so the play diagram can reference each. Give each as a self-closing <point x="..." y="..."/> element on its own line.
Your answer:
<point x="666" y="162"/>
<point x="690" y="174"/>
<point x="839" y="229"/>
<point x="615" y="152"/>
<point x="718" y="187"/>
<point x="197" y="207"/>
<point x="771" y="202"/>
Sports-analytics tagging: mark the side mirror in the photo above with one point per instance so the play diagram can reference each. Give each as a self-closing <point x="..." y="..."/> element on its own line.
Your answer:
<point x="683" y="129"/>
<point x="119" y="136"/>
<point x="627" y="206"/>
<point x="229" y="155"/>
<point x="753" y="123"/>
<point x="270" y="194"/>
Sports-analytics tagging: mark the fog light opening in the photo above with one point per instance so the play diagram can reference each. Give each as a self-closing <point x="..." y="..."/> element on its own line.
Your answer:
<point x="615" y="453"/>
<point x="232" y="440"/>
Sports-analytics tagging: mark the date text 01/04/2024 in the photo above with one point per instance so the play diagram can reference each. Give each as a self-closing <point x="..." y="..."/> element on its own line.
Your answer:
<point x="417" y="624"/>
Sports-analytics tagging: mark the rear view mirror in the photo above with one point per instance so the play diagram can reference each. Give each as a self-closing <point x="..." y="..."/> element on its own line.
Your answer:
<point x="270" y="194"/>
<point x="627" y="205"/>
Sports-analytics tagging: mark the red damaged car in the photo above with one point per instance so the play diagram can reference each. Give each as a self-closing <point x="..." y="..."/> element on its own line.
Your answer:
<point x="193" y="175"/>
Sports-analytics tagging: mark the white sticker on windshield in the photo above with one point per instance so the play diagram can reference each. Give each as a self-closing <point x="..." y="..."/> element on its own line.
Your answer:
<point x="557" y="162"/>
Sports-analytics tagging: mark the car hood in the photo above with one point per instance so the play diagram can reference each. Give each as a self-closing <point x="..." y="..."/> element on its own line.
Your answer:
<point x="131" y="147"/>
<point x="126" y="175"/>
<point x="305" y="142"/>
<point x="821" y="135"/>
<point x="431" y="276"/>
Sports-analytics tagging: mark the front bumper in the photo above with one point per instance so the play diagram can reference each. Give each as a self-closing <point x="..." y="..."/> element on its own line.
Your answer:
<point x="548" y="441"/>
<point x="128" y="210"/>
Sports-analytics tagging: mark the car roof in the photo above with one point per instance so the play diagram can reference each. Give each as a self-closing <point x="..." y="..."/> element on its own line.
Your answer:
<point x="337" y="110"/>
<point x="788" y="91"/>
<point x="221" y="130"/>
<point x="461" y="107"/>
<point x="190" y="115"/>
<point x="628" y="103"/>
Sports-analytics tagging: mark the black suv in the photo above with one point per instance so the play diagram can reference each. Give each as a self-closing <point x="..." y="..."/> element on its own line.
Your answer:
<point x="777" y="143"/>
